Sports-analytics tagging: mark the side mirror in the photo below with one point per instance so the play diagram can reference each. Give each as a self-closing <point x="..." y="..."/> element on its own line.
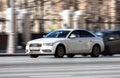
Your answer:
<point x="72" y="36"/>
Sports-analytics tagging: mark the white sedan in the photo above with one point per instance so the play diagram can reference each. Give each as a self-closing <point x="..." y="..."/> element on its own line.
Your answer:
<point x="66" y="42"/>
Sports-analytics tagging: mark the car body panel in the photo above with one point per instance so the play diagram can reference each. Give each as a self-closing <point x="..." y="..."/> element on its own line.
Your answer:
<point x="111" y="40"/>
<point x="114" y="46"/>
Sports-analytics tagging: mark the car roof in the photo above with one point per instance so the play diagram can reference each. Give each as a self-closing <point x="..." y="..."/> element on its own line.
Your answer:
<point x="109" y="31"/>
<point x="70" y="29"/>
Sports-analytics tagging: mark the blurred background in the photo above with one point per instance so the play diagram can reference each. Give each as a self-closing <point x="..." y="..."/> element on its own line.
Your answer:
<point x="24" y="20"/>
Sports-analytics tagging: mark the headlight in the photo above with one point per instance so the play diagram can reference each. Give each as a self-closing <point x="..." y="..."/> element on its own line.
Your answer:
<point x="48" y="44"/>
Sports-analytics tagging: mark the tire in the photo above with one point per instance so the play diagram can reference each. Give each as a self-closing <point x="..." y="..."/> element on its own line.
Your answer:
<point x="95" y="51"/>
<point x="33" y="55"/>
<point x="60" y="52"/>
<point x="70" y="55"/>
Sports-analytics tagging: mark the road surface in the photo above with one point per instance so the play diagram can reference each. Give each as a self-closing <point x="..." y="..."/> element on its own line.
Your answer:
<point x="50" y="67"/>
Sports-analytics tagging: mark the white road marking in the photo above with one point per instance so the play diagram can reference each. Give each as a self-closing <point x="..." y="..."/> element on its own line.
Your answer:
<point x="110" y="71"/>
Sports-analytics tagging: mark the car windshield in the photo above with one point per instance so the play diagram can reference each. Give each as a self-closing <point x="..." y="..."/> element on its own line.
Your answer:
<point x="58" y="34"/>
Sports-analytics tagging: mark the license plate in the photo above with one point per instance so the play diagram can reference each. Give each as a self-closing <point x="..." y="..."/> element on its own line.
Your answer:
<point x="34" y="48"/>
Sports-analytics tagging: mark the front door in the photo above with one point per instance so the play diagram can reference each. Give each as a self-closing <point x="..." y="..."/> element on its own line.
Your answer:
<point x="74" y="45"/>
<point x="75" y="42"/>
<point x="114" y="43"/>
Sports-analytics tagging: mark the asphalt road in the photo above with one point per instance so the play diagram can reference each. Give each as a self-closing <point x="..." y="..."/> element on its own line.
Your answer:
<point x="50" y="67"/>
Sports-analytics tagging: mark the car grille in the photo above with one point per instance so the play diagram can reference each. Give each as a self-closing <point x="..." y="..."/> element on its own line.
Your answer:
<point x="35" y="47"/>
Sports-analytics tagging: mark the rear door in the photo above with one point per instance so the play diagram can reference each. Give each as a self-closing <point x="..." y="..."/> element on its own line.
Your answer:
<point x="81" y="41"/>
<point x="87" y="40"/>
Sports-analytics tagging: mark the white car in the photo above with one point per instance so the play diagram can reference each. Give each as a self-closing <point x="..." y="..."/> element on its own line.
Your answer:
<point x="66" y="42"/>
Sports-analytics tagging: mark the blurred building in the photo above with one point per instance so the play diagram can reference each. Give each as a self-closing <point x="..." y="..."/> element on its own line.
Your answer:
<point x="45" y="14"/>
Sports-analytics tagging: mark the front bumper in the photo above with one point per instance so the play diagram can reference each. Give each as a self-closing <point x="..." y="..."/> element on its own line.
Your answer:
<point x="40" y="50"/>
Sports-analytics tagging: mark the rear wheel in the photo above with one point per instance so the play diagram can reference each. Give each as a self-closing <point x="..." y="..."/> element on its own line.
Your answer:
<point x="95" y="51"/>
<point x="60" y="52"/>
<point x="33" y="55"/>
<point x="70" y="55"/>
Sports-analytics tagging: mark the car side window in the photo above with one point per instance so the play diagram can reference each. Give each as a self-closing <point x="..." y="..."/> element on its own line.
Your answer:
<point x="114" y="36"/>
<point x="75" y="34"/>
<point x="86" y="34"/>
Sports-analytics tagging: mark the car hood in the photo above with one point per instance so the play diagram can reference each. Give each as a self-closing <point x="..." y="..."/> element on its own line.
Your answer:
<point x="46" y="40"/>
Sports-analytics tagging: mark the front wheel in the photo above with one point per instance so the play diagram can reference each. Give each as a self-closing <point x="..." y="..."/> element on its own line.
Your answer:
<point x="95" y="51"/>
<point x="60" y="52"/>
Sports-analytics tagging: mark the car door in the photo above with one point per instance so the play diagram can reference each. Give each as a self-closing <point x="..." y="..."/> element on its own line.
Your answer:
<point x="74" y="42"/>
<point x="87" y="40"/>
<point x="114" y="42"/>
